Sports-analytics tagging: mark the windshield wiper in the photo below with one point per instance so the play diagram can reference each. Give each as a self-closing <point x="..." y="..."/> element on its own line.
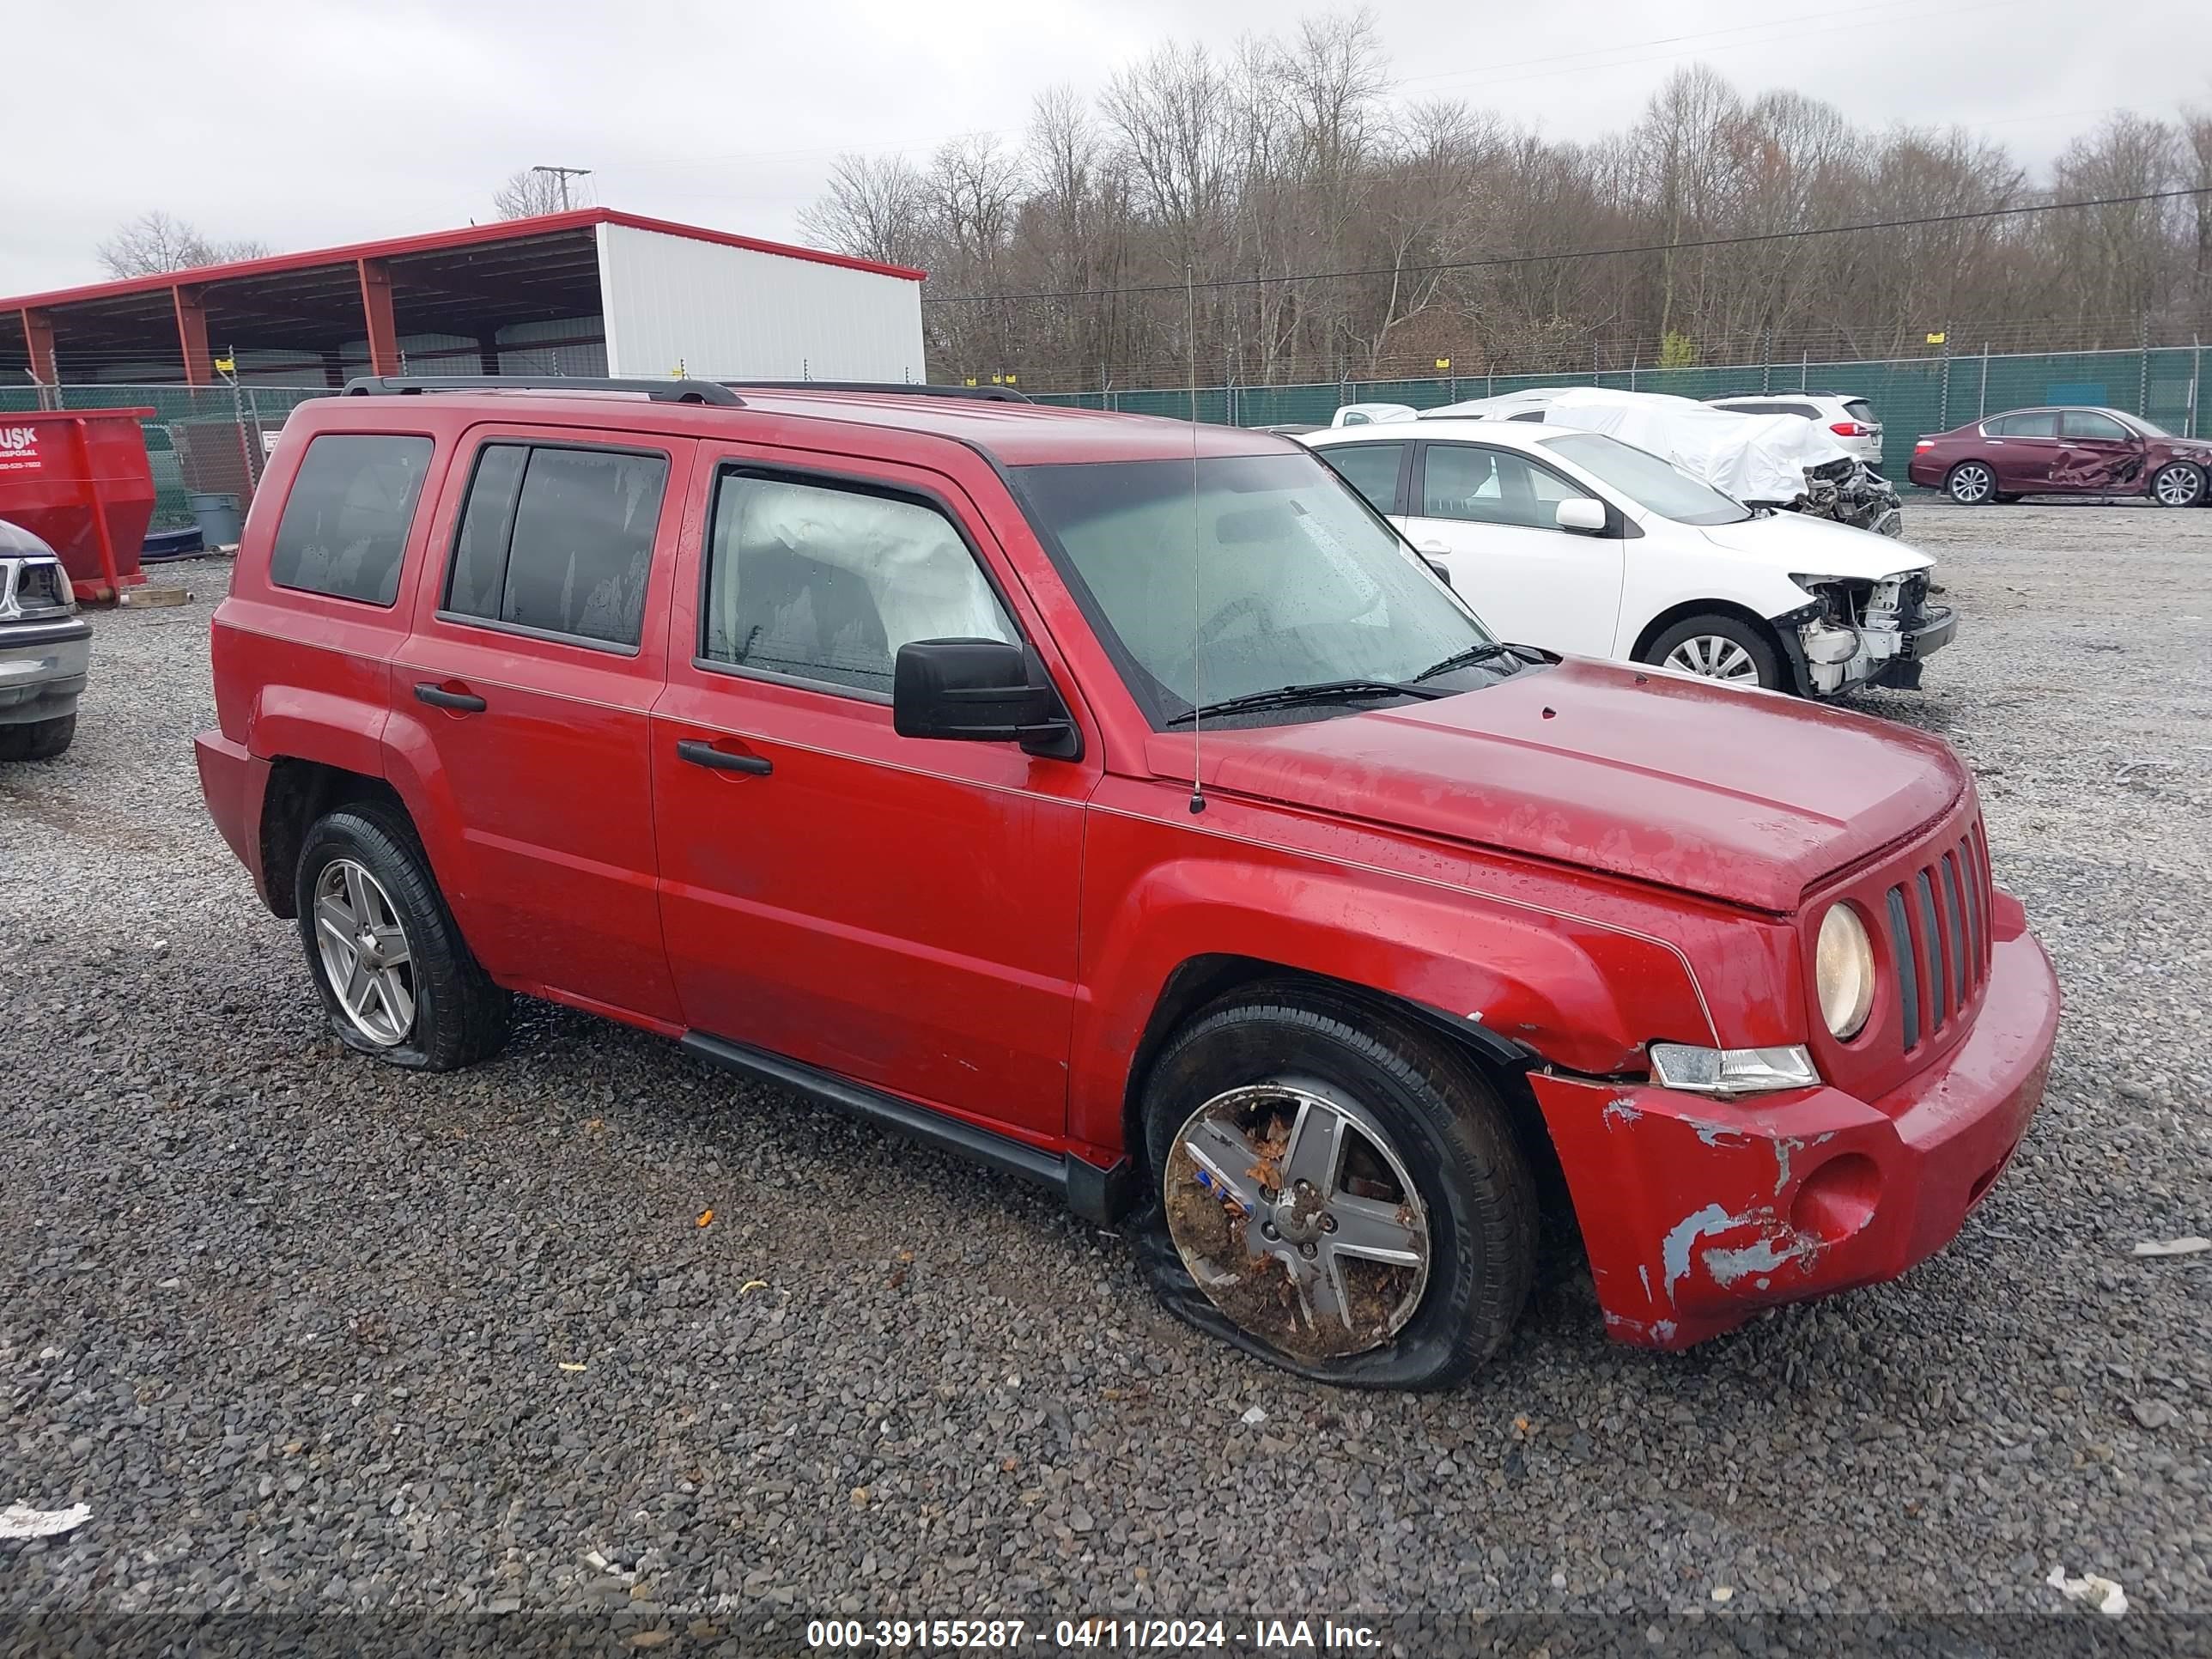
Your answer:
<point x="1488" y="651"/>
<point x="1290" y="696"/>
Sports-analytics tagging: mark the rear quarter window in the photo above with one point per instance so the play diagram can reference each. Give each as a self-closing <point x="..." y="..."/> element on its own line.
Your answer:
<point x="345" y="523"/>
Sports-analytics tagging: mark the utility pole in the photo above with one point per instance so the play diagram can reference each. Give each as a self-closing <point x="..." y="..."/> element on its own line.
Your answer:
<point x="564" y="174"/>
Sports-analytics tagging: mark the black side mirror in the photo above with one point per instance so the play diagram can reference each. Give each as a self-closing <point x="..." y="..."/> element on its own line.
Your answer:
<point x="1438" y="568"/>
<point x="980" y="691"/>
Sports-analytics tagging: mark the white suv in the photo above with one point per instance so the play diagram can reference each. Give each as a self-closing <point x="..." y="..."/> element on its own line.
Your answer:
<point x="1576" y="542"/>
<point x="1852" y="419"/>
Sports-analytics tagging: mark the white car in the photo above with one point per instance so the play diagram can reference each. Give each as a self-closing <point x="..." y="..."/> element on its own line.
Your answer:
<point x="1580" y="543"/>
<point x="1850" y="420"/>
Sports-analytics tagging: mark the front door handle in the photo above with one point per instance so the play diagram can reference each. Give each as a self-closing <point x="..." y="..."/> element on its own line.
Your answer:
<point x="1434" y="546"/>
<point x="702" y="753"/>
<point x="438" y="697"/>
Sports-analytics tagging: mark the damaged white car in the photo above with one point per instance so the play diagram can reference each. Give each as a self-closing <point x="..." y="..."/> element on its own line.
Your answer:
<point x="1576" y="542"/>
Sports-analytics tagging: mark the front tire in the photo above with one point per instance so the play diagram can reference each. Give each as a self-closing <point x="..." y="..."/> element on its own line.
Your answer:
<point x="1341" y="1192"/>
<point x="396" y="980"/>
<point x="38" y="739"/>
<point x="1971" y="483"/>
<point x="1714" y="646"/>
<point x="2181" y="483"/>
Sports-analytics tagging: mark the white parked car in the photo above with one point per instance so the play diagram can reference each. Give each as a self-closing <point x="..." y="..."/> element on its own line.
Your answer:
<point x="1576" y="542"/>
<point x="1850" y="420"/>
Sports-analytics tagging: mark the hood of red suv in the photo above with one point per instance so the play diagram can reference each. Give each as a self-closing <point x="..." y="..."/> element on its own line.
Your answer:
<point x="1743" y="796"/>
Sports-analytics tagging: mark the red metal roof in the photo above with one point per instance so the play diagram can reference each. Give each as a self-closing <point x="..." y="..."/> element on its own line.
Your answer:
<point x="434" y="241"/>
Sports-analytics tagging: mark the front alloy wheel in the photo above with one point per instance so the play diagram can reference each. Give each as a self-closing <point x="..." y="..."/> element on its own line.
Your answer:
<point x="1715" y="657"/>
<point x="365" y="952"/>
<point x="1971" y="483"/>
<point x="2179" y="485"/>
<point x="1297" y="1218"/>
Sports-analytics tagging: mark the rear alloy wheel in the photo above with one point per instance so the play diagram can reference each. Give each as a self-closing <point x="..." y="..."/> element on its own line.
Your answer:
<point x="363" y="944"/>
<point x="1971" y="483"/>
<point x="2178" y="485"/>
<point x="1717" y="647"/>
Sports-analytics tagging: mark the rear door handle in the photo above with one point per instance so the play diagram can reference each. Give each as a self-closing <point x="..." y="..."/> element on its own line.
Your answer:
<point x="438" y="697"/>
<point x="702" y="753"/>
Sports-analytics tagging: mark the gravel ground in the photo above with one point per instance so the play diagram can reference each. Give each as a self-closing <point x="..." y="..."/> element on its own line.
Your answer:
<point x="308" y="1333"/>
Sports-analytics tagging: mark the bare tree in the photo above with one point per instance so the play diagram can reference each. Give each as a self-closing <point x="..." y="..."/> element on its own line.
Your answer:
<point x="529" y="191"/>
<point x="156" y="241"/>
<point x="875" y="208"/>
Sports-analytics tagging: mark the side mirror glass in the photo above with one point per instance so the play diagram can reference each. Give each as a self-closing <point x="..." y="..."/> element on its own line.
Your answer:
<point x="980" y="691"/>
<point x="1579" y="513"/>
<point x="1438" y="568"/>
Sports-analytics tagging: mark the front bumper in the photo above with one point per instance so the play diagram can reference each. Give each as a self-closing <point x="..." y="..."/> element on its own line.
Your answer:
<point x="1696" y="1213"/>
<point x="43" y="668"/>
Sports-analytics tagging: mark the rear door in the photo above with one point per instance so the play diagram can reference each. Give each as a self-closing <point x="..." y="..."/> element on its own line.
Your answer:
<point x="1489" y="514"/>
<point x="1379" y="472"/>
<point x="2022" y="449"/>
<point x="899" y="911"/>
<point x="2096" y="453"/>
<point x="521" y="701"/>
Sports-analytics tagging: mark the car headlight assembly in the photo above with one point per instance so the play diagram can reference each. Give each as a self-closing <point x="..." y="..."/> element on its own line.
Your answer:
<point x="1842" y="972"/>
<point x="1727" y="1072"/>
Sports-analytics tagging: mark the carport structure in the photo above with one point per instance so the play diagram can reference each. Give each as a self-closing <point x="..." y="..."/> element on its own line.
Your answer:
<point x="447" y="302"/>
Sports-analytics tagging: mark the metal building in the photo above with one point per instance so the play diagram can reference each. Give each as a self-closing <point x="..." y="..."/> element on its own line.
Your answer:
<point x="589" y="292"/>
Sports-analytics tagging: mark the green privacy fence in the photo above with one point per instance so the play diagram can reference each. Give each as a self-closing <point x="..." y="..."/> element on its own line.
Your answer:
<point x="1913" y="395"/>
<point x="199" y="438"/>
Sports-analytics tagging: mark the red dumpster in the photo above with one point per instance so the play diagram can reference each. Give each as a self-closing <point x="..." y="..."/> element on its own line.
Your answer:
<point x="78" y="479"/>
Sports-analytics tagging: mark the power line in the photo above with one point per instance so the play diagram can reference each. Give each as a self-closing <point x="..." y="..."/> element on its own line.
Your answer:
<point x="1576" y="254"/>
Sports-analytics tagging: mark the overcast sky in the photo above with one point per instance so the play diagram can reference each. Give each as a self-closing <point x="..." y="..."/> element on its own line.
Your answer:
<point x="325" y="121"/>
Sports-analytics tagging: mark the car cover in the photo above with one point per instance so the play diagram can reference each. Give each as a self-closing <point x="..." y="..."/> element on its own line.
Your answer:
<point x="1754" y="458"/>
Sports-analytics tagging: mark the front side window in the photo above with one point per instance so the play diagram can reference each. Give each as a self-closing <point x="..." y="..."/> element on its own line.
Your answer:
<point x="1371" y="469"/>
<point x="1653" y="483"/>
<point x="1261" y="572"/>
<point x="825" y="583"/>
<point x="345" y="523"/>
<point x="1491" y="486"/>
<point x="558" y="540"/>
<point x="2089" y="423"/>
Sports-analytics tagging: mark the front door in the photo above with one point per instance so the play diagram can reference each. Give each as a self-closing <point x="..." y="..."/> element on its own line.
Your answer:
<point x="2096" y="454"/>
<point x="1489" y="513"/>
<point x="520" y="702"/>
<point x="897" y="911"/>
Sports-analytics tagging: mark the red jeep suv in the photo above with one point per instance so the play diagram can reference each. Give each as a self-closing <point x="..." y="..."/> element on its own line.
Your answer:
<point x="1123" y="804"/>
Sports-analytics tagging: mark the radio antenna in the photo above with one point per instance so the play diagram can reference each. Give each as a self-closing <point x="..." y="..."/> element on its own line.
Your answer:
<point x="1197" y="626"/>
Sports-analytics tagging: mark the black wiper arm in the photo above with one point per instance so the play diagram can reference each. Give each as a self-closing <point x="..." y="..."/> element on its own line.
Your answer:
<point x="1290" y="696"/>
<point x="1467" y="658"/>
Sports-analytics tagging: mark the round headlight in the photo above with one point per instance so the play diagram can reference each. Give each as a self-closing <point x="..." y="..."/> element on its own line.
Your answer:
<point x="1843" y="971"/>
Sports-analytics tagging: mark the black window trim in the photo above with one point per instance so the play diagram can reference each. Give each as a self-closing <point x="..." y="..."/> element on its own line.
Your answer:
<point x="406" y="539"/>
<point x="855" y="483"/>
<point x="1618" y="526"/>
<point x="525" y="630"/>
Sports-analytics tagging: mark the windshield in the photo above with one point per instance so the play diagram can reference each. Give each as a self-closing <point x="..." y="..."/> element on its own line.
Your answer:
<point x="1656" y="485"/>
<point x="1268" y="572"/>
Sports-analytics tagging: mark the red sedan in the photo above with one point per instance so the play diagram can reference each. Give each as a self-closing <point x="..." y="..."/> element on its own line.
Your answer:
<point x="2063" y="452"/>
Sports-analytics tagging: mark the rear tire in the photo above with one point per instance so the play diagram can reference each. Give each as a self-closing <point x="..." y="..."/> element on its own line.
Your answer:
<point x="1971" y="483"/>
<point x="1416" y="1152"/>
<point x="38" y="739"/>
<point x="370" y="913"/>
<point x="1716" y="648"/>
<point x="2179" y="483"/>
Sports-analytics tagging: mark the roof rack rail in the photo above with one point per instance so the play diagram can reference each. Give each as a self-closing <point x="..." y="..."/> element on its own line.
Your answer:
<point x="660" y="392"/>
<point x="983" y="394"/>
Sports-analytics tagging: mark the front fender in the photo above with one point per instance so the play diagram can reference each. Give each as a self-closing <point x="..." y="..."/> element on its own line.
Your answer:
<point x="1579" y="991"/>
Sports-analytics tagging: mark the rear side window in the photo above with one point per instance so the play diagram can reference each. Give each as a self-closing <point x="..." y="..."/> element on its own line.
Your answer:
<point x="2039" y="424"/>
<point x="558" y="540"/>
<point x="1371" y="469"/>
<point x="1860" y="411"/>
<point x="345" y="523"/>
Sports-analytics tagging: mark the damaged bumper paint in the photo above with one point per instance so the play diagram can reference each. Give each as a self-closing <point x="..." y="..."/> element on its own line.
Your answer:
<point x="1697" y="1212"/>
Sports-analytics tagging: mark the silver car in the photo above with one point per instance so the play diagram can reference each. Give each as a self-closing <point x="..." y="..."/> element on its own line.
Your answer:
<point x="45" y="648"/>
